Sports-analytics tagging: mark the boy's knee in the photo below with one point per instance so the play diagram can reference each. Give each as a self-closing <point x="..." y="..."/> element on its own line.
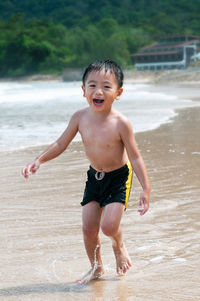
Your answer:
<point x="109" y="229"/>
<point x="90" y="232"/>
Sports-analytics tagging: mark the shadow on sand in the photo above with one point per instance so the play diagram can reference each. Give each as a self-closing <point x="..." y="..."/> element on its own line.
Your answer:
<point x="42" y="288"/>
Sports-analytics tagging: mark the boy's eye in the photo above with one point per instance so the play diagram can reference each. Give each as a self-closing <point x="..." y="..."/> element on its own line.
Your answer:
<point x="107" y="87"/>
<point x="92" y="85"/>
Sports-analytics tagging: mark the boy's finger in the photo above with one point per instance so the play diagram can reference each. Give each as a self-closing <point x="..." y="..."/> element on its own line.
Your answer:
<point x="29" y="169"/>
<point x="24" y="173"/>
<point x="143" y="211"/>
<point x="143" y="206"/>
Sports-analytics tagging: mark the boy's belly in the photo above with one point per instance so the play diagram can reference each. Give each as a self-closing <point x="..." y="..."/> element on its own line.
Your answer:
<point x="107" y="160"/>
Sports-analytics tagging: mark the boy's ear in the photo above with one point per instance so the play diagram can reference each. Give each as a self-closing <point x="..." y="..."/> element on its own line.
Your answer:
<point x="83" y="88"/>
<point x="119" y="93"/>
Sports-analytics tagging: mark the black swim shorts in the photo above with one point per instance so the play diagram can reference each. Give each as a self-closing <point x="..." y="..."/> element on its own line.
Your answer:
<point x="114" y="186"/>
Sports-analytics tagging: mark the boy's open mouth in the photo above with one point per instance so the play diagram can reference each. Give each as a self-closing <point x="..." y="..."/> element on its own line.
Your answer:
<point x="97" y="101"/>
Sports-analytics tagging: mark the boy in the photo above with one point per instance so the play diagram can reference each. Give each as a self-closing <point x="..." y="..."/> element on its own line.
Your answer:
<point x="111" y="148"/>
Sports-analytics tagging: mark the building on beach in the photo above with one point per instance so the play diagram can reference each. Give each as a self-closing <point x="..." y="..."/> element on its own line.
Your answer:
<point x="169" y="53"/>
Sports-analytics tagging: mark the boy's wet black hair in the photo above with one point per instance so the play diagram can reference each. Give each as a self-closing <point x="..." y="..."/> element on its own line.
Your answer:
<point x="108" y="65"/>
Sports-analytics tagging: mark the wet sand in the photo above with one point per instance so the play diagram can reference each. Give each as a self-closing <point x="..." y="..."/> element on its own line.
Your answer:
<point x="42" y="250"/>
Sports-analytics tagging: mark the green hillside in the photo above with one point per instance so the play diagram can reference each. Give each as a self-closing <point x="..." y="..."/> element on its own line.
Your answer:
<point x="47" y="36"/>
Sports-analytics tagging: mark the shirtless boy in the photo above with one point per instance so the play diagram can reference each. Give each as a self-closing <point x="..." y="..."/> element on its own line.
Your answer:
<point x="111" y="148"/>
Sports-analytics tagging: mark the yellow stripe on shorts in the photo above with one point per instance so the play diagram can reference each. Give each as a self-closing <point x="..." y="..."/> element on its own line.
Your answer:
<point x="128" y="182"/>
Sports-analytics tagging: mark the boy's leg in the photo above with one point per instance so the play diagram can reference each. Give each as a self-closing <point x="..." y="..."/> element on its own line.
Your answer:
<point x="91" y="216"/>
<point x="110" y="225"/>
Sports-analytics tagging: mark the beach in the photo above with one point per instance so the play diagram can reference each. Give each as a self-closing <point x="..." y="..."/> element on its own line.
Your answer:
<point x="42" y="251"/>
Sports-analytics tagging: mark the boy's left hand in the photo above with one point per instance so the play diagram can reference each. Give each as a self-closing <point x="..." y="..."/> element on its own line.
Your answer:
<point x="144" y="202"/>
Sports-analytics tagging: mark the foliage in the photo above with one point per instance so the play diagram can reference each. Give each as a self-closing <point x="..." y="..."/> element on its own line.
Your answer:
<point x="48" y="36"/>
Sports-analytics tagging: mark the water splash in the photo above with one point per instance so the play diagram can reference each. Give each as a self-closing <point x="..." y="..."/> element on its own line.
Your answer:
<point x="85" y="278"/>
<point x="90" y="275"/>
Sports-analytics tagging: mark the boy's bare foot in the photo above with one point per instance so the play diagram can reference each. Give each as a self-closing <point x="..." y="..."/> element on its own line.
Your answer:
<point x="123" y="261"/>
<point x="93" y="274"/>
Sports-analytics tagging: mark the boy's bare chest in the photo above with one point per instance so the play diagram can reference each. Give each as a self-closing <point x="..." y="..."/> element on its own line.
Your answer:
<point x="100" y="135"/>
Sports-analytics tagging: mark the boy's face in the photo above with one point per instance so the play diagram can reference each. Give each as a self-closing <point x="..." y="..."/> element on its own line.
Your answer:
<point x="101" y="89"/>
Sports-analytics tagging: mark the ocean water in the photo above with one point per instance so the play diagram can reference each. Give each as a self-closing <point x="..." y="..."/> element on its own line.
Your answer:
<point x="36" y="113"/>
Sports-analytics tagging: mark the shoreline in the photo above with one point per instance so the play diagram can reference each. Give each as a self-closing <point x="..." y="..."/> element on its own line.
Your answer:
<point x="191" y="93"/>
<point x="190" y="76"/>
<point x="78" y="143"/>
<point x="33" y="78"/>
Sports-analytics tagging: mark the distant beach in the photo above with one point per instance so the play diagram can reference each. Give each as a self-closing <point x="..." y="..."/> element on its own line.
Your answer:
<point x="190" y="75"/>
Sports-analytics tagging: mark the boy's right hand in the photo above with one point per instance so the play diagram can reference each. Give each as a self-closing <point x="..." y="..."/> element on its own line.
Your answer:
<point x="30" y="168"/>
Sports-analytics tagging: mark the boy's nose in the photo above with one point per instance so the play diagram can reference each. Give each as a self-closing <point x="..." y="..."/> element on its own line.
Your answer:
<point x="98" y="91"/>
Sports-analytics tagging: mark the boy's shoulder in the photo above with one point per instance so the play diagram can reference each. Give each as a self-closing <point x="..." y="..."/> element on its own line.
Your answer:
<point x="120" y="117"/>
<point x="123" y="122"/>
<point x="78" y="114"/>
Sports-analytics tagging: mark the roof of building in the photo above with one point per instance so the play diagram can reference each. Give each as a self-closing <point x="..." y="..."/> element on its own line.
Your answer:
<point x="155" y="53"/>
<point x="167" y="48"/>
<point x="169" y="45"/>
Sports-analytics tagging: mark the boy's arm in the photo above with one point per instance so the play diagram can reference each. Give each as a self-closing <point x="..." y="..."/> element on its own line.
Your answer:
<point x="56" y="148"/>
<point x="137" y="164"/>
